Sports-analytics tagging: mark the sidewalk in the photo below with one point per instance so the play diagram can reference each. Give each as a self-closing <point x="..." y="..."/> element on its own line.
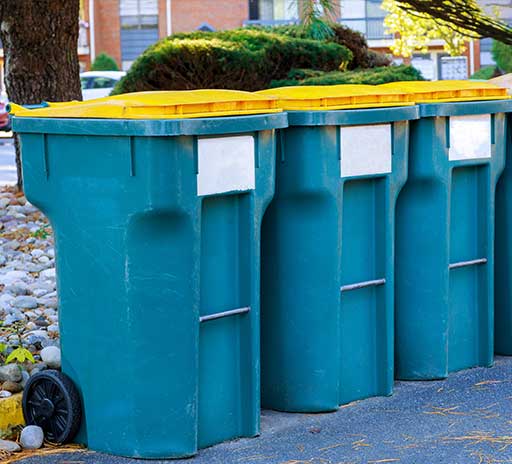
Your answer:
<point x="463" y="420"/>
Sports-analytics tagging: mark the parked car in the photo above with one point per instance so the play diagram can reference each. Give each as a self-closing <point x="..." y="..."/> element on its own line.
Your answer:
<point x="97" y="84"/>
<point x="5" y="121"/>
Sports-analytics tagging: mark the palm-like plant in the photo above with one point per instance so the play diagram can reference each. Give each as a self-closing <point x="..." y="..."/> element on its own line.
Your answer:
<point x="317" y="15"/>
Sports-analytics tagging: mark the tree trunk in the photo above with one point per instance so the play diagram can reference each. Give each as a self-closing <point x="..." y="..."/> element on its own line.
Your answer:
<point x="40" y="39"/>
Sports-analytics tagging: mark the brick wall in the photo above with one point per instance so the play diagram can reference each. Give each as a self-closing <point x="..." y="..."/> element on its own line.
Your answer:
<point x="107" y="29"/>
<point x="162" y="18"/>
<point x="188" y="15"/>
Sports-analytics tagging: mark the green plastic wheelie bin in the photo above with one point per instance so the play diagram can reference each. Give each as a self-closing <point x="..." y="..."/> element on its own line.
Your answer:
<point x="445" y="228"/>
<point x="327" y="247"/>
<point x="156" y="201"/>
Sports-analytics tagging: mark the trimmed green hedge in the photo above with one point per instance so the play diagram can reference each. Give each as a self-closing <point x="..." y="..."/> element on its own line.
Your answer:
<point x="373" y="76"/>
<point x="241" y="59"/>
<point x="486" y="73"/>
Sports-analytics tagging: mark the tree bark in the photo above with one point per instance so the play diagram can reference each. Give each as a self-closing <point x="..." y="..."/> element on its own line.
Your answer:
<point x="40" y="39"/>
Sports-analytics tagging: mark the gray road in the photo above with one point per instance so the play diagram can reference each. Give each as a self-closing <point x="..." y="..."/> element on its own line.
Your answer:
<point x="7" y="163"/>
<point x="464" y="420"/>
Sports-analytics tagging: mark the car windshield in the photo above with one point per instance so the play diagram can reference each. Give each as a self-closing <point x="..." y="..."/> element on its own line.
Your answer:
<point x="84" y="81"/>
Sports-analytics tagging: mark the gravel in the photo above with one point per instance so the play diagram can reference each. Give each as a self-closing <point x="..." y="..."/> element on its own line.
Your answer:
<point x="28" y="296"/>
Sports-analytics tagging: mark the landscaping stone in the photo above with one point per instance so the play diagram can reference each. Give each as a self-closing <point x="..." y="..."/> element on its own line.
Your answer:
<point x="9" y="446"/>
<point x="32" y="437"/>
<point x="51" y="356"/>
<point x="53" y="329"/>
<point x="24" y="378"/>
<point x="10" y="372"/>
<point x="5" y="394"/>
<point x="48" y="273"/>
<point x="38" y="368"/>
<point x="12" y="387"/>
<point x="28" y="302"/>
<point x="28" y="297"/>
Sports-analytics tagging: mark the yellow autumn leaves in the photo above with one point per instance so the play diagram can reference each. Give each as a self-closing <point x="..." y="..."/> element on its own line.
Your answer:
<point x="415" y="31"/>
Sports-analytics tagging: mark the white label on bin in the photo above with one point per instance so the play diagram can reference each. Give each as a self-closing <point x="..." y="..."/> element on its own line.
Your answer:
<point x="470" y="137"/>
<point x="225" y="164"/>
<point x="365" y="150"/>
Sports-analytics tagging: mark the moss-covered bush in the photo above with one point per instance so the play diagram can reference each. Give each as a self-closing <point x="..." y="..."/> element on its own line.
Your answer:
<point x="374" y="76"/>
<point x="242" y="59"/>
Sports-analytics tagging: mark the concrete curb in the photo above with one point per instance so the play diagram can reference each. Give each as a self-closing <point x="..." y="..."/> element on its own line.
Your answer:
<point x="11" y="413"/>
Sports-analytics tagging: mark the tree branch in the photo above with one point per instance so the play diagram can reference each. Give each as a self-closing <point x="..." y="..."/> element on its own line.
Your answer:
<point x="460" y="14"/>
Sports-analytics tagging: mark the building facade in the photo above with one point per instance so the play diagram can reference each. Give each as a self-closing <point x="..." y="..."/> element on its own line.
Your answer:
<point x="125" y="28"/>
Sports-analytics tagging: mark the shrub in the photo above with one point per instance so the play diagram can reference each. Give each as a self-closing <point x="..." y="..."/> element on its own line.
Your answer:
<point x="485" y="73"/>
<point x="377" y="59"/>
<point x="242" y="59"/>
<point x="373" y="76"/>
<point x="502" y="55"/>
<point x="363" y="57"/>
<point x="104" y="62"/>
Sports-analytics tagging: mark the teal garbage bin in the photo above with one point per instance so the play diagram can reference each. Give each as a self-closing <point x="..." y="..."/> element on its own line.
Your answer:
<point x="327" y="247"/>
<point x="445" y="229"/>
<point x="503" y="255"/>
<point x="156" y="201"/>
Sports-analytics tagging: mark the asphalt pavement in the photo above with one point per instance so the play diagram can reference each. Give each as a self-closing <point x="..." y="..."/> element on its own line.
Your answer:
<point x="7" y="160"/>
<point x="465" y="419"/>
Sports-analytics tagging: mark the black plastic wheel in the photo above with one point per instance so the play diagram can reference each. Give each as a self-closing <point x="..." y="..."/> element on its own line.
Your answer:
<point x="51" y="401"/>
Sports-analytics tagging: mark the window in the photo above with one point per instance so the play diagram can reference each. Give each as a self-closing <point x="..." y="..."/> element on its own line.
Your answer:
<point x="103" y="83"/>
<point x="139" y="27"/>
<point x="486" y="58"/>
<point x="365" y="16"/>
<point x="85" y="83"/>
<point x="278" y="10"/>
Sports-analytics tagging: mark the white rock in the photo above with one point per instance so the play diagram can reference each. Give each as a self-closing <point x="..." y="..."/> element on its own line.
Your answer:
<point x="17" y="288"/>
<point x="53" y="329"/>
<point x="30" y="326"/>
<point x="5" y="394"/>
<point x="48" y="273"/>
<point x="37" y="253"/>
<point x="28" y="302"/>
<point x="39" y="292"/>
<point x="13" y="244"/>
<point x="9" y="446"/>
<point x="51" y="356"/>
<point x="5" y="301"/>
<point x="32" y="437"/>
<point x="12" y="276"/>
<point x="10" y="372"/>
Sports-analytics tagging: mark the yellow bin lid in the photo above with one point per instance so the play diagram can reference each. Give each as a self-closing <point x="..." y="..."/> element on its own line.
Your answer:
<point x="448" y="91"/>
<point x="336" y="97"/>
<point x="158" y="105"/>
